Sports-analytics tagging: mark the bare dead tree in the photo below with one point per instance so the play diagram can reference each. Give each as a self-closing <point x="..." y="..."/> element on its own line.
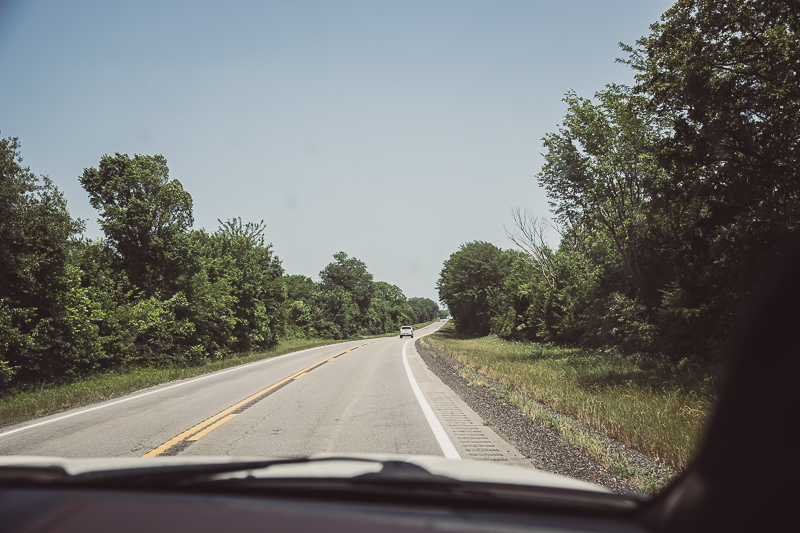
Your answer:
<point x="528" y="235"/>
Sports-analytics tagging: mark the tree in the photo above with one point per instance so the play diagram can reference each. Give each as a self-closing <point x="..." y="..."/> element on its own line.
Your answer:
<point x="339" y="315"/>
<point x="351" y="275"/>
<point x="470" y="284"/>
<point x="601" y="170"/>
<point x="300" y="288"/>
<point x="725" y="74"/>
<point x="302" y="295"/>
<point x="388" y="309"/>
<point x="145" y="217"/>
<point x="529" y="235"/>
<point x="46" y="329"/>
<point x="247" y="273"/>
<point x="424" y="309"/>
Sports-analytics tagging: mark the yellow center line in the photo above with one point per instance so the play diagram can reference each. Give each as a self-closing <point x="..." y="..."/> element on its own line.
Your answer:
<point x="208" y="425"/>
<point x="175" y="440"/>
<point x="212" y="427"/>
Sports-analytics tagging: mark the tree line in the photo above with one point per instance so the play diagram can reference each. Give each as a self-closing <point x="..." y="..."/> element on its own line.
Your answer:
<point x="155" y="291"/>
<point x="673" y="198"/>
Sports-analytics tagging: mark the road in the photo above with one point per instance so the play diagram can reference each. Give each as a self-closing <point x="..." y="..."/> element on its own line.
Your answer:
<point x="369" y="396"/>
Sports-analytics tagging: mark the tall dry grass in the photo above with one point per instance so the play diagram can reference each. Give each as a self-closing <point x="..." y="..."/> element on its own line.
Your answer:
<point x="657" y="408"/>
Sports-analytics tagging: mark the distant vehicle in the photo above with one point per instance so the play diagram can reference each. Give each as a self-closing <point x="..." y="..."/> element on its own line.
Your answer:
<point x="406" y="331"/>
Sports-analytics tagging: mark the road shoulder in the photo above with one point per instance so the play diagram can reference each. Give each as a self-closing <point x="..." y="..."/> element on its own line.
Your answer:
<point x="469" y="433"/>
<point x="539" y="446"/>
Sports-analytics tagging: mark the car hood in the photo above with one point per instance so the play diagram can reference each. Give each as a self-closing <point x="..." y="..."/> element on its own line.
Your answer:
<point x="319" y="466"/>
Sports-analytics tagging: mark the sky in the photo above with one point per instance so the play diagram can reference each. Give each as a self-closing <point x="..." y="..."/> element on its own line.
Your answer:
<point x="392" y="131"/>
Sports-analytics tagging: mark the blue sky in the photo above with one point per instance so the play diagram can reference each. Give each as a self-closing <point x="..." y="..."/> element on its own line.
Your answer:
<point x="393" y="131"/>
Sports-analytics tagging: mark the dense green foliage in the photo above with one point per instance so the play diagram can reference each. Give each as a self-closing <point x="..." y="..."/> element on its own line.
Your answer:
<point x="347" y="302"/>
<point x="45" y="324"/>
<point x="145" y="217"/>
<point x="672" y="198"/>
<point x="471" y="283"/>
<point x="155" y="292"/>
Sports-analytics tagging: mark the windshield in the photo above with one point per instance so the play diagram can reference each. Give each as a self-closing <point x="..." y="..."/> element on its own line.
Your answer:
<point x="196" y="200"/>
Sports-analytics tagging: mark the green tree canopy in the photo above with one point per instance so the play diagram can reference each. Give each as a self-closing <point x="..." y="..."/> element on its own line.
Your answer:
<point x="424" y="309"/>
<point x="726" y="73"/>
<point x="471" y="283"/>
<point x="351" y="275"/>
<point x="45" y="328"/>
<point x="300" y="288"/>
<point x="601" y="171"/>
<point x="144" y="215"/>
<point x="237" y="257"/>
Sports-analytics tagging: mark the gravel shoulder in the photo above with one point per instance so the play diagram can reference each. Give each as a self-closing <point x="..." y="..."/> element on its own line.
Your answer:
<point x="545" y="448"/>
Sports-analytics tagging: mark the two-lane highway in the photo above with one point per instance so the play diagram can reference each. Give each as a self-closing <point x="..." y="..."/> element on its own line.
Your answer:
<point x="355" y="397"/>
<point x="358" y="402"/>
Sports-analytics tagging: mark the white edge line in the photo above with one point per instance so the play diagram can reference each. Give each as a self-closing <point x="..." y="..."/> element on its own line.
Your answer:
<point x="438" y="431"/>
<point x="181" y="384"/>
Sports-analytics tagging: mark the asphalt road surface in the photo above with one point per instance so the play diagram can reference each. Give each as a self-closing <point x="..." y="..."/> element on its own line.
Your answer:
<point x="371" y="396"/>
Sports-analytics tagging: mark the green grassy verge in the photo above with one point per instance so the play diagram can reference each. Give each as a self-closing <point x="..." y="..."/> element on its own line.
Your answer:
<point x="571" y="434"/>
<point x="654" y="407"/>
<point x="19" y="406"/>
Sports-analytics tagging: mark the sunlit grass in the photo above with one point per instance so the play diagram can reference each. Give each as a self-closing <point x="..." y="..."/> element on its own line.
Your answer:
<point x="658" y="409"/>
<point x="21" y="405"/>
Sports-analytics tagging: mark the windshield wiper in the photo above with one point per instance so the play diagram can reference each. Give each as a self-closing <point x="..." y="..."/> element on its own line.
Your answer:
<point x="375" y="479"/>
<point x="173" y="475"/>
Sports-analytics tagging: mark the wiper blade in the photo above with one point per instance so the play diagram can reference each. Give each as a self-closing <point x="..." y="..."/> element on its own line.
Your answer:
<point x="191" y="474"/>
<point x="32" y="474"/>
<point x="412" y="482"/>
<point x="402" y="471"/>
<point x="326" y="477"/>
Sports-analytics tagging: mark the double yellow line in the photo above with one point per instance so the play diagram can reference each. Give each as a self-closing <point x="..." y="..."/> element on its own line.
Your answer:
<point x="208" y="425"/>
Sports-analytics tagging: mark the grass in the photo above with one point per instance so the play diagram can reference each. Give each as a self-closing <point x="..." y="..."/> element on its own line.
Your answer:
<point x="22" y="405"/>
<point x="586" y="443"/>
<point x="473" y="379"/>
<point x="656" y="408"/>
<point x="571" y="434"/>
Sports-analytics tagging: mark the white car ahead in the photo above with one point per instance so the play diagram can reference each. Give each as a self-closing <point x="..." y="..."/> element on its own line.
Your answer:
<point x="406" y="331"/>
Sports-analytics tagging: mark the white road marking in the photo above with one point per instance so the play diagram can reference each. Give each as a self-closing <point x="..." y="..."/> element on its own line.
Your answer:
<point x="438" y="431"/>
<point x="181" y="384"/>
